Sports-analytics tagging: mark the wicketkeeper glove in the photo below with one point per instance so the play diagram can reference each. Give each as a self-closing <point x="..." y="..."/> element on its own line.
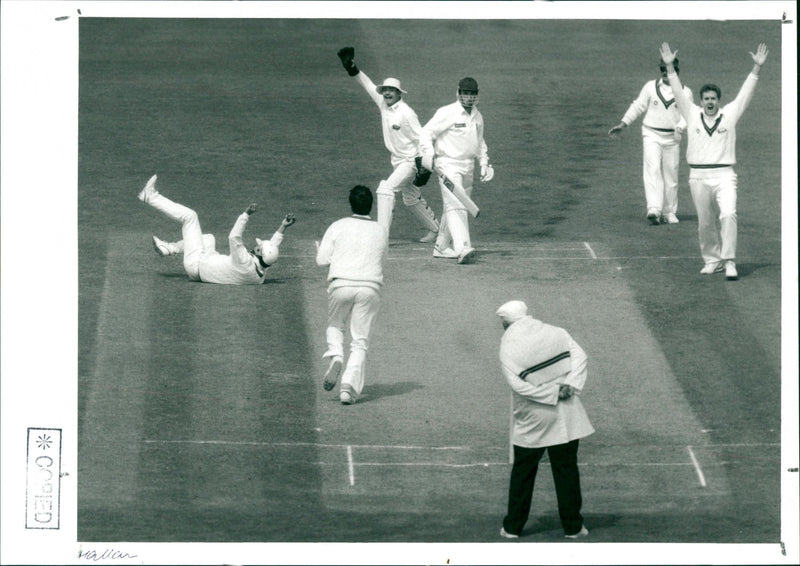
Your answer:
<point x="487" y="173"/>
<point x="422" y="175"/>
<point x="346" y="54"/>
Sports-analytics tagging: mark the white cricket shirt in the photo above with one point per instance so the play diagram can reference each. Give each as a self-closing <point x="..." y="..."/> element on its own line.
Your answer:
<point x="240" y="267"/>
<point x="454" y="133"/>
<point x="712" y="140"/>
<point x="658" y="105"/>
<point x="399" y="122"/>
<point x="355" y="248"/>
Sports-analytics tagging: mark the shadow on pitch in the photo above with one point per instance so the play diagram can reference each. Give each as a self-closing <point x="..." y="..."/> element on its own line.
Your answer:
<point x="746" y="269"/>
<point x="379" y="390"/>
<point x="551" y="524"/>
<point x="181" y="275"/>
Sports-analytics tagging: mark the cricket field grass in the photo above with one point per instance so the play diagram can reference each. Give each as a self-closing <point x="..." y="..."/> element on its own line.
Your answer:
<point x="201" y="412"/>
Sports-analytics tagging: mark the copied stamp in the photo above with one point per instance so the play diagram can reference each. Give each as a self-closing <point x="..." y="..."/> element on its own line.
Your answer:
<point x="43" y="486"/>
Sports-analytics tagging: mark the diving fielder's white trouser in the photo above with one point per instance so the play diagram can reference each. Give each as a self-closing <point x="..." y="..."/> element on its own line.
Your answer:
<point x="714" y="196"/>
<point x="361" y="305"/>
<point x="401" y="180"/>
<point x="209" y="245"/>
<point x="190" y="229"/>
<point x="660" y="170"/>
<point x="454" y="226"/>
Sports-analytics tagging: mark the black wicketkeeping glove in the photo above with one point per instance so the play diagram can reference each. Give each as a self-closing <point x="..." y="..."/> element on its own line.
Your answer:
<point x="422" y="175"/>
<point x="347" y="54"/>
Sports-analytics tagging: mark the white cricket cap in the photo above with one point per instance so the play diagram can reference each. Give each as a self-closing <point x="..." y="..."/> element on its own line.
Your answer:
<point x="512" y="311"/>
<point x="268" y="251"/>
<point x="390" y="82"/>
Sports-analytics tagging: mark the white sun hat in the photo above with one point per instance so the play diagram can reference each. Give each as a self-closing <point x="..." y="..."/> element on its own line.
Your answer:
<point x="389" y="82"/>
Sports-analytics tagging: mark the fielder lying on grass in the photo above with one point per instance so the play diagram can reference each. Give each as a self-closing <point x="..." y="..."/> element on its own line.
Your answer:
<point x="201" y="260"/>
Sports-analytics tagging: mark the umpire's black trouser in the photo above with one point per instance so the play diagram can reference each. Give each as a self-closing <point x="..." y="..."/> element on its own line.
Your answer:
<point x="564" y="464"/>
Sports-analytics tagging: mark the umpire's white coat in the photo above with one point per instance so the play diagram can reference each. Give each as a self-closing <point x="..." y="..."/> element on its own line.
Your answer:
<point x="545" y="356"/>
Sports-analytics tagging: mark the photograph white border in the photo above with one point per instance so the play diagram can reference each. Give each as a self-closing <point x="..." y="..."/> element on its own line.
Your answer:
<point x="40" y="282"/>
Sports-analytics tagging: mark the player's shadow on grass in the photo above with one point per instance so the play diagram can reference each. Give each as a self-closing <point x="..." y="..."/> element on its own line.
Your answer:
<point x="173" y="275"/>
<point x="379" y="390"/>
<point x="552" y="524"/>
<point x="176" y="275"/>
<point x="746" y="269"/>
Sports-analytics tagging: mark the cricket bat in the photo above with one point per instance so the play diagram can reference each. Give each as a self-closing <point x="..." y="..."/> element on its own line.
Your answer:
<point x="459" y="193"/>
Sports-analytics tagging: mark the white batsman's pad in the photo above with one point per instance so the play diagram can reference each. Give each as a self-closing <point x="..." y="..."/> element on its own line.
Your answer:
<point x="423" y="213"/>
<point x="459" y="229"/>
<point x="385" y="204"/>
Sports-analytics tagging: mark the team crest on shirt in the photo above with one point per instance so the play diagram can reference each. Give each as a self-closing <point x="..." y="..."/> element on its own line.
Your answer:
<point x="655" y="103"/>
<point x="395" y="127"/>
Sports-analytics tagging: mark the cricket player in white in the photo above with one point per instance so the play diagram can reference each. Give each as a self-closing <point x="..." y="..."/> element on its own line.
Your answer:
<point x="401" y="129"/>
<point x="354" y="248"/>
<point x="452" y="140"/>
<point x="711" y="154"/>
<point x="200" y="259"/>
<point x="662" y="127"/>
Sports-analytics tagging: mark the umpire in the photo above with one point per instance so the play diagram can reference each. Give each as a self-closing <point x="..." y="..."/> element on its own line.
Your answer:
<point x="546" y="370"/>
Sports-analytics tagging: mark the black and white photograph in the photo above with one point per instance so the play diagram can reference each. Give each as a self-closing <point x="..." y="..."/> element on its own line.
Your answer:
<point x="399" y="283"/>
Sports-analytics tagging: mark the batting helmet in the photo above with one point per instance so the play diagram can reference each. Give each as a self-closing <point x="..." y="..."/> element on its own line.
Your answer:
<point x="267" y="251"/>
<point x="468" y="92"/>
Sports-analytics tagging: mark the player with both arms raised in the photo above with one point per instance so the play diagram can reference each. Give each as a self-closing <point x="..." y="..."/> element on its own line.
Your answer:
<point x="200" y="259"/>
<point x="711" y="155"/>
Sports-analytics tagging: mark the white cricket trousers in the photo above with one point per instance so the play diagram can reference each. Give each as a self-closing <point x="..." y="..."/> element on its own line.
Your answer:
<point x="454" y="225"/>
<point x="714" y="196"/>
<point x="660" y="170"/>
<point x="359" y="304"/>
<point x="402" y="180"/>
<point x="191" y="232"/>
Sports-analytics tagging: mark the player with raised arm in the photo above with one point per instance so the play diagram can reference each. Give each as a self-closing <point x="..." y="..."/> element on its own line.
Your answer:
<point x="711" y="154"/>
<point x="200" y="259"/>
<point x="662" y="128"/>
<point x="401" y="129"/>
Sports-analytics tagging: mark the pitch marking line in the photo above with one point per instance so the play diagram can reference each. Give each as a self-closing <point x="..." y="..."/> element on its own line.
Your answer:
<point x="697" y="468"/>
<point x="591" y="251"/>
<point x="315" y="444"/>
<point x="350" y="469"/>
<point x="412" y="447"/>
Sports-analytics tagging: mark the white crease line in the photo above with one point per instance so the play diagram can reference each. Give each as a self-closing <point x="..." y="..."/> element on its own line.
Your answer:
<point x="700" y="475"/>
<point x="591" y="251"/>
<point x="519" y="254"/>
<point x="314" y="444"/>
<point x="350" y="468"/>
<point x="412" y="447"/>
<point x="487" y="464"/>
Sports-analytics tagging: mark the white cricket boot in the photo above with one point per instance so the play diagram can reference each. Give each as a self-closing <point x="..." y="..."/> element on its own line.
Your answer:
<point x="730" y="271"/>
<point x="161" y="247"/>
<point x="149" y="190"/>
